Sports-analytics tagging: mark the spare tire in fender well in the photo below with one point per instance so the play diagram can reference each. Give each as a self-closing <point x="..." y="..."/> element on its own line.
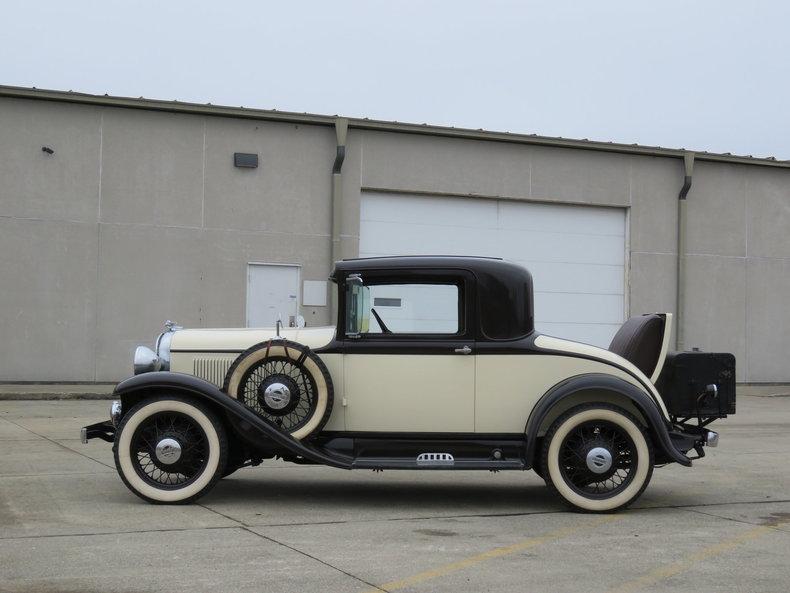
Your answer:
<point x="656" y="423"/>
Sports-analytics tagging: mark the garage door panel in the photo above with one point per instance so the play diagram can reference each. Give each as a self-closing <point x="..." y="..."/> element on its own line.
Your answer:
<point x="386" y="238"/>
<point x="561" y="218"/>
<point x="575" y="277"/>
<point x="575" y="253"/>
<point x="557" y="247"/>
<point x="472" y="213"/>
<point x="378" y="237"/>
<point x="578" y="307"/>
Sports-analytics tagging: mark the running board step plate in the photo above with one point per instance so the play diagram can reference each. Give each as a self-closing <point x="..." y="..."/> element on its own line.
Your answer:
<point x="435" y="459"/>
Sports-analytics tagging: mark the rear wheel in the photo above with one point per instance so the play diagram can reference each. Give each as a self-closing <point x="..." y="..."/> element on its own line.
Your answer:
<point x="597" y="457"/>
<point x="170" y="450"/>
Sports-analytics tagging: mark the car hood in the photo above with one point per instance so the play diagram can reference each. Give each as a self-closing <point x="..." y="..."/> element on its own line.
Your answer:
<point x="217" y="340"/>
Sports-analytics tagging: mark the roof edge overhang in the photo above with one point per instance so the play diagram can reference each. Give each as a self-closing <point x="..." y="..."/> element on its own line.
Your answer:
<point x="376" y="125"/>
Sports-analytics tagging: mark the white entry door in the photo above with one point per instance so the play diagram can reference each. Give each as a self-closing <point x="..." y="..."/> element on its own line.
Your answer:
<point x="272" y="294"/>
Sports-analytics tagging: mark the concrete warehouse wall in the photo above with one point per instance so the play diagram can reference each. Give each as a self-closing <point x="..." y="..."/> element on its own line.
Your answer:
<point x="141" y="216"/>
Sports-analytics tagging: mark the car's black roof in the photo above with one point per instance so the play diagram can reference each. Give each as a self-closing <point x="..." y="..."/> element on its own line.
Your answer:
<point x="504" y="288"/>
<point x="491" y="265"/>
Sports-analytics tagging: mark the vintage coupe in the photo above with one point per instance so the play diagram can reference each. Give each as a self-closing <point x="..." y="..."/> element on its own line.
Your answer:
<point x="434" y="365"/>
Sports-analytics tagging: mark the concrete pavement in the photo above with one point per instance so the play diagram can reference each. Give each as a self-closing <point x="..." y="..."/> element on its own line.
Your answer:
<point x="68" y="524"/>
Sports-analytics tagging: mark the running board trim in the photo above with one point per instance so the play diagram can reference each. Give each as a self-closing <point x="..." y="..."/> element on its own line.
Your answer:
<point x="412" y="463"/>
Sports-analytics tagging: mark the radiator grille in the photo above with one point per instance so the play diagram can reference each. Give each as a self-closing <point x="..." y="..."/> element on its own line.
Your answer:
<point x="212" y="368"/>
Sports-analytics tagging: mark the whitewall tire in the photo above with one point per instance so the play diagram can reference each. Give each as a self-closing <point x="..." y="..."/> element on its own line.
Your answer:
<point x="597" y="457"/>
<point x="286" y="383"/>
<point x="170" y="449"/>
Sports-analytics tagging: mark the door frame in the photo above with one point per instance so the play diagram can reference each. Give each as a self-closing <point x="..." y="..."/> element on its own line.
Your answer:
<point x="278" y="264"/>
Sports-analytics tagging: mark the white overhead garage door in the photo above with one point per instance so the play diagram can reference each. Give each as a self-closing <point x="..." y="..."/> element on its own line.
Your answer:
<point x="576" y="253"/>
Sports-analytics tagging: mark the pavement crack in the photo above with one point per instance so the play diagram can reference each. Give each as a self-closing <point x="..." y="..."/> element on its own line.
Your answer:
<point x="733" y="519"/>
<point x="711" y="504"/>
<point x="489" y="515"/>
<point x="239" y="522"/>
<point x="248" y="528"/>
<point x="101" y="533"/>
<point x="55" y="474"/>
<point x="61" y="445"/>
<point x="308" y="555"/>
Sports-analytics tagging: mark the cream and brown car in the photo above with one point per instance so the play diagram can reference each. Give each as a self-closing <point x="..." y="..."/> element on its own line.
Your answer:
<point x="434" y="364"/>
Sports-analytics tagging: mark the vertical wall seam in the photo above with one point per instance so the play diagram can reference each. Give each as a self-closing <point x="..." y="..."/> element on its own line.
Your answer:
<point x="627" y="240"/>
<point x="746" y="278"/>
<point x="202" y="312"/>
<point x="627" y="265"/>
<point x="203" y="184"/>
<point x="98" y="250"/>
<point x="529" y="176"/>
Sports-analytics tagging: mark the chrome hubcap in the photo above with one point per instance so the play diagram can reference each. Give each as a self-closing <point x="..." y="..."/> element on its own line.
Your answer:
<point x="168" y="451"/>
<point x="277" y="396"/>
<point x="599" y="460"/>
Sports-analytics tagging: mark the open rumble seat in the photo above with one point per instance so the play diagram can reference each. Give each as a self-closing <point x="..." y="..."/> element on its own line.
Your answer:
<point x="643" y="341"/>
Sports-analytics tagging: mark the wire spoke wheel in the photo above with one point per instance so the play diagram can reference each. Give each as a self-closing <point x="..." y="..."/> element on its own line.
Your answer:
<point x="597" y="459"/>
<point x="291" y="406"/>
<point x="169" y="450"/>
<point x="285" y="383"/>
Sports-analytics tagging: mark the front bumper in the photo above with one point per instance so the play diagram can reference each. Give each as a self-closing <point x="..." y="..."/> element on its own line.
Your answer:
<point x="103" y="430"/>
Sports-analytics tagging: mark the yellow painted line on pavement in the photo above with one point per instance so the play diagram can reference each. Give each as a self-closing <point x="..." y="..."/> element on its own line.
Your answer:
<point x="490" y="554"/>
<point x="670" y="570"/>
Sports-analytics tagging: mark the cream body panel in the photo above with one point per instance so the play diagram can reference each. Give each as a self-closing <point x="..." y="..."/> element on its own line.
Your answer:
<point x="212" y="340"/>
<point x="550" y="343"/>
<point x="509" y="385"/>
<point x="184" y="362"/>
<point x="334" y="364"/>
<point x="409" y="392"/>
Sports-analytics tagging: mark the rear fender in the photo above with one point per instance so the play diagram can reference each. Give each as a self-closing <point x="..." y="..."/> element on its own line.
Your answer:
<point x="567" y="390"/>
<point x="241" y="419"/>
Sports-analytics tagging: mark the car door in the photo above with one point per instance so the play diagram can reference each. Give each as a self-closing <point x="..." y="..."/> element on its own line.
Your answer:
<point x="408" y="364"/>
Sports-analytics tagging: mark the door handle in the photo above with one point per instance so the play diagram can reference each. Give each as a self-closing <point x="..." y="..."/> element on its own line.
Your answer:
<point x="464" y="350"/>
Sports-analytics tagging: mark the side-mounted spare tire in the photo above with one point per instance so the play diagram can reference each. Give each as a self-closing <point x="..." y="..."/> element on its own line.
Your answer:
<point x="286" y="384"/>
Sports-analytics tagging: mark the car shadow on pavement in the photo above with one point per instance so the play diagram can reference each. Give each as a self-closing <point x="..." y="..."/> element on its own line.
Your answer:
<point x="421" y="497"/>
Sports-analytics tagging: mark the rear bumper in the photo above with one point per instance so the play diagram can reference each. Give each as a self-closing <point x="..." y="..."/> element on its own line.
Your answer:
<point x="685" y="438"/>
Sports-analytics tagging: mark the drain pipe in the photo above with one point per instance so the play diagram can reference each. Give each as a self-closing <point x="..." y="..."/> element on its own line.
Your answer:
<point x="688" y="162"/>
<point x="341" y="131"/>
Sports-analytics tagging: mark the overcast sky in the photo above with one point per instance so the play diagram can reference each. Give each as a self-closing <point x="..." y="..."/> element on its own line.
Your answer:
<point x="708" y="75"/>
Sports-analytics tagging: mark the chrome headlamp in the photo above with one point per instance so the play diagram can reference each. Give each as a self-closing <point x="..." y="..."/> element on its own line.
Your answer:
<point x="146" y="360"/>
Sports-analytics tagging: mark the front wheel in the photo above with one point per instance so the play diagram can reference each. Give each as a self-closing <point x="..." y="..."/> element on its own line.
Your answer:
<point x="170" y="450"/>
<point x="597" y="457"/>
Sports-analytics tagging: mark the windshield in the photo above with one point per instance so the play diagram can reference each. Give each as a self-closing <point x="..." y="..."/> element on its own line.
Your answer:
<point x="413" y="308"/>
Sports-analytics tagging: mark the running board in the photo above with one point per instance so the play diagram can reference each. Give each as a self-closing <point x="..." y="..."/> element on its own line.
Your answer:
<point x="413" y="463"/>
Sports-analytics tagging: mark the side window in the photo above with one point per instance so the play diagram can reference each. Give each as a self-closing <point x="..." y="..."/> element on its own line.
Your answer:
<point x="413" y="308"/>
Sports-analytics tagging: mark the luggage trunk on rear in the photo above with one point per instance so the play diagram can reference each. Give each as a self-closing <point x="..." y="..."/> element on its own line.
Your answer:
<point x="698" y="384"/>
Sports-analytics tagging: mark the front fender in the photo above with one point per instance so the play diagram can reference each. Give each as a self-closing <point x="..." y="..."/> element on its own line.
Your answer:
<point x="601" y="382"/>
<point x="242" y="419"/>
